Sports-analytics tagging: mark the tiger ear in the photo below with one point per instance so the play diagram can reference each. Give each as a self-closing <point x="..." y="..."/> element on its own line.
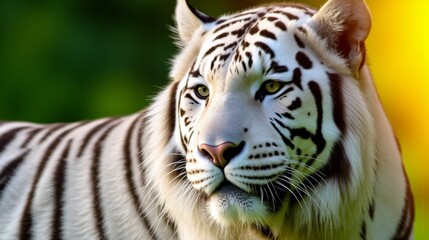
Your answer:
<point x="345" y="24"/>
<point x="188" y="20"/>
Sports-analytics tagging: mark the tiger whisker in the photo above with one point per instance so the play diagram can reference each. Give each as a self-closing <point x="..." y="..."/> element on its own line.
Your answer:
<point x="314" y="171"/>
<point x="292" y="171"/>
<point x="293" y="194"/>
<point x="305" y="190"/>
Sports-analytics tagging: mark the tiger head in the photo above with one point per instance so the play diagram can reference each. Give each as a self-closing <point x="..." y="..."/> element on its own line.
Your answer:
<point x="270" y="113"/>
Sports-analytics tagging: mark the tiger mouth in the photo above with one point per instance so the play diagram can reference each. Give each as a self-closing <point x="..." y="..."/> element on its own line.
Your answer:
<point x="227" y="187"/>
<point x="230" y="204"/>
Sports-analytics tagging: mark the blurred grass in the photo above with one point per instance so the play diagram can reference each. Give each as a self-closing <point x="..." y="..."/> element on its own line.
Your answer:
<point x="82" y="59"/>
<point x="95" y="58"/>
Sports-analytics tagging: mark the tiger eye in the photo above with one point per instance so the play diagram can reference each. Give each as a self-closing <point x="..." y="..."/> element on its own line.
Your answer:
<point x="272" y="86"/>
<point x="202" y="91"/>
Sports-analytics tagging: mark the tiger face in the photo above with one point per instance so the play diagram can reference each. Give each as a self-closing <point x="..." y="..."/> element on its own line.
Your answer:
<point x="261" y="117"/>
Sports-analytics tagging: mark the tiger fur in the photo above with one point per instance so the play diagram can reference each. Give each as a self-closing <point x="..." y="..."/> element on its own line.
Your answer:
<point x="271" y="128"/>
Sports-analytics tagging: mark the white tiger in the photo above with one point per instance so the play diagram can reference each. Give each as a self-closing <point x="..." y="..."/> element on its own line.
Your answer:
<point x="271" y="128"/>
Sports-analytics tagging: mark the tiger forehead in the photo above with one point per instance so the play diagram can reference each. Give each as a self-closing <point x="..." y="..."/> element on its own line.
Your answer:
<point x="227" y="41"/>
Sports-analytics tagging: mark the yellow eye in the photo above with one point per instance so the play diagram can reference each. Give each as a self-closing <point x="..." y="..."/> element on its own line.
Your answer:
<point x="201" y="91"/>
<point x="272" y="87"/>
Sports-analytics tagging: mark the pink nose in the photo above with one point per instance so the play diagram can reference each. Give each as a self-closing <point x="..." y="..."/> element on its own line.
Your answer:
<point x="222" y="153"/>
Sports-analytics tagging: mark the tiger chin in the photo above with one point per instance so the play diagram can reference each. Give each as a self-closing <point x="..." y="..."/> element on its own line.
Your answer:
<point x="271" y="128"/>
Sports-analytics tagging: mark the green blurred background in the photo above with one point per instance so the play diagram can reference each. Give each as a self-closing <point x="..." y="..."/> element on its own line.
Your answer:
<point x="68" y="60"/>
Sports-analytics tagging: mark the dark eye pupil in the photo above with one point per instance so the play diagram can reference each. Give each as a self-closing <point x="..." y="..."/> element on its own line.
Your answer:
<point x="203" y="90"/>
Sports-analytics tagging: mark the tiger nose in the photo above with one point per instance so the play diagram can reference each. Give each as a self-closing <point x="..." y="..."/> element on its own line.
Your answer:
<point x="221" y="154"/>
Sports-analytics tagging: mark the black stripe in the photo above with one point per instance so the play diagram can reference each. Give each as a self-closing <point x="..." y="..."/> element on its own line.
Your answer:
<point x="129" y="176"/>
<point x="303" y="60"/>
<point x="266" y="49"/>
<point x="250" y="60"/>
<point x="371" y="209"/>
<point x="213" y="62"/>
<point x="281" y="25"/>
<point x="223" y="57"/>
<point x="268" y="34"/>
<point x="220" y="36"/>
<point x="171" y="117"/>
<point x="290" y="16"/>
<point x="8" y="137"/>
<point x="51" y="130"/>
<point x="140" y="134"/>
<point x="240" y="32"/>
<point x="184" y="144"/>
<point x="254" y="29"/>
<point x="277" y="68"/>
<point x="243" y="64"/>
<point x="298" y="41"/>
<point x="338" y="166"/>
<point x="362" y="232"/>
<point x="59" y="179"/>
<point x="338" y="101"/>
<point x="227" y="24"/>
<point x="405" y="225"/>
<point x="196" y="73"/>
<point x="299" y="132"/>
<point x="302" y="29"/>
<point x="317" y="138"/>
<point x="91" y="133"/>
<point x="284" y="138"/>
<point x="213" y="48"/>
<point x="272" y="19"/>
<point x="287" y="115"/>
<point x="286" y="91"/>
<point x="189" y="96"/>
<point x="10" y="170"/>
<point x="26" y="219"/>
<point x="282" y="125"/>
<point x="296" y="78"/>
<point x="95" y="178"/>
<point x="295" y="104"/>
<point x="30" y="136"/>
<point x="264" y="231"/>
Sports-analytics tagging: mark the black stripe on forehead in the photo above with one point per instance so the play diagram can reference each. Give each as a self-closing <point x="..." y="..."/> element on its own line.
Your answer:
<point x="230" y="23"/>
<point x="240" y="25"/>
